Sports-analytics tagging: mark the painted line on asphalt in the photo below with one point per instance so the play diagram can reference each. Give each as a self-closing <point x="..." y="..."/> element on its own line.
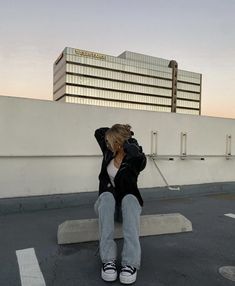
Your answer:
<point x="230" y="215"/>
<point x="30" y="273"/>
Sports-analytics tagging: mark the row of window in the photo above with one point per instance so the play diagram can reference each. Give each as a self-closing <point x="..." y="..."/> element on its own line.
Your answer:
<point x="190" y="104"/>
<point x="159" y="72"/>
<point x="190" y="74"/>
<point x="187" y="111"/>
<point x="149" y="60"/>
<point x="116" y="75"/>
<point x="111" y="60"/>
<point x="188" y="87"/>
<point x="91" y="92"/>
<point x="188" y="95"/>
<point x="180" y="95"/>
<point x="107" y="103"/>
<point x="107" y="84"/>
<point x="80" y="100"/>
<point x="189" y="79"/>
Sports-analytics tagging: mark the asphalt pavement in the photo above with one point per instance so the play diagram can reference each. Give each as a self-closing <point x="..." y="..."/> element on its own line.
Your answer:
<point x="191" y="259"/>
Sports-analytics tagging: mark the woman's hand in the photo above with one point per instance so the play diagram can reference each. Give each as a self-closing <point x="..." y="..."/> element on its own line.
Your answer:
<point x="131" y="144"/>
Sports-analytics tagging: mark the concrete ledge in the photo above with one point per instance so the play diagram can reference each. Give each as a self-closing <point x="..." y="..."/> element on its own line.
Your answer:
<point x="74" y="231"/>
<point x="59" y="201"/>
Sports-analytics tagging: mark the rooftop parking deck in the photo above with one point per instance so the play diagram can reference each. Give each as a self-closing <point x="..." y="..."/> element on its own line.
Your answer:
<point x="192" y="258"/>
<point x="49" y="167"/>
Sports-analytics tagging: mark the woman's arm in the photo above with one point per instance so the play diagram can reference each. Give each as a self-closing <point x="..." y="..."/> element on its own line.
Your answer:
<point x="100" y="137"/>
<point x="135" y="155"/>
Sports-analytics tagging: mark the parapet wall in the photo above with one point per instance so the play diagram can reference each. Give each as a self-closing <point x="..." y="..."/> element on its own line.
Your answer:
<point x="49" y="147"/>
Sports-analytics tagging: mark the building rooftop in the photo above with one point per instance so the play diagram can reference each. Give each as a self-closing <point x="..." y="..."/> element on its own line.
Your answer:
<point x="48" y="178"/>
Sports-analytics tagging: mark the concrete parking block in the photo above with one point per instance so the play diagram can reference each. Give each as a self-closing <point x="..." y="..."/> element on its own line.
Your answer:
<point x="74" y="231"/>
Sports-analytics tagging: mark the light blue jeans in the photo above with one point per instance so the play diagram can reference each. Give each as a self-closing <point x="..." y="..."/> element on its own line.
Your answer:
<point x="105" y="208"/>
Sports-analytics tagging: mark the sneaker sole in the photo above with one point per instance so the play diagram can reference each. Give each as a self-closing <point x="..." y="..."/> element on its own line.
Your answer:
<point x="108" y="277"/>
<point x="127" y="280"/>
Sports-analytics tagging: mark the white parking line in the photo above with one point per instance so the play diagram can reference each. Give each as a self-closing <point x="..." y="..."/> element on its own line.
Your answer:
<point x="230" y="215"/>
<point x="30" y="273"/>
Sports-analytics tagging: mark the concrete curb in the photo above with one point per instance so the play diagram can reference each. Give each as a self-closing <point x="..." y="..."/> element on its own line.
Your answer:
<point x="74" y="231"/>
<point x="57" y="201"/>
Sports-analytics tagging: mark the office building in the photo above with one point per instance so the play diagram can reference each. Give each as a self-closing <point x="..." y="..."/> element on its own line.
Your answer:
<point x="130" y="80"/>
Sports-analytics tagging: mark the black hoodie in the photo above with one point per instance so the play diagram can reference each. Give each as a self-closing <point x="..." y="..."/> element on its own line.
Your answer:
<point x="127" y="175"/>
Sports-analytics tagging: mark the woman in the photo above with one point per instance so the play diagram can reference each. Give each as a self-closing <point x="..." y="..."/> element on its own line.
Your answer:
<point x="119" y="199"/>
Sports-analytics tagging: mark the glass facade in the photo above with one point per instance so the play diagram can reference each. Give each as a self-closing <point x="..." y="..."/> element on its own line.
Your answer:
<point x="188" y="111"/>
<point x="117" y="86"/>
<point x="116" y="96"/>
<point x="72" y="99"/>
<point x="131" y="80"/>
<point x="78" y="70"/>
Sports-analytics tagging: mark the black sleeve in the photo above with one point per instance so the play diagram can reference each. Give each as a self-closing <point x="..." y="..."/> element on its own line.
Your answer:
<point x="135" y="155"/>
<point x="100" y="137"/>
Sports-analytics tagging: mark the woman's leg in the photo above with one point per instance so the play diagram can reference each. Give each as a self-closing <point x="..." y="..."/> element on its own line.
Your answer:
<point x="104" y="208"/>
<point x="131" y="210"/>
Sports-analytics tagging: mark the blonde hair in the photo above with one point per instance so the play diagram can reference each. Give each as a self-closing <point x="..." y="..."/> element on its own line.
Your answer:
<point x="118" y="133"/>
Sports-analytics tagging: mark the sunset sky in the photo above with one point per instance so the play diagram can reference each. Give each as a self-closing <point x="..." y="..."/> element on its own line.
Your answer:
<point x="199" y="35"/>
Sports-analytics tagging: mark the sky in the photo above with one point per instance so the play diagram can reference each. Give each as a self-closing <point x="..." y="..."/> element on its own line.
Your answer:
<point x="199" y="35"/>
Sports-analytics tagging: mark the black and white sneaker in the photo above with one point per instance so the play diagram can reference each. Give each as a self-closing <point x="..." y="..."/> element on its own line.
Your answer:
<point x="109" y="271"/>
<point x="128" y="274"/>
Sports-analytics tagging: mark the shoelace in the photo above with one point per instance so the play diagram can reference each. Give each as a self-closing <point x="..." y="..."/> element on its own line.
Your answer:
<point x="109" y="265"/>
<point x="128" y="268"/>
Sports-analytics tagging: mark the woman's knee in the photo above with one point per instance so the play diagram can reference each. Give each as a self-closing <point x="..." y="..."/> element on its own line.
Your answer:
<point x="105" y="200"/>
<point x="107" y="197"/>
<point x="130" y="202"/>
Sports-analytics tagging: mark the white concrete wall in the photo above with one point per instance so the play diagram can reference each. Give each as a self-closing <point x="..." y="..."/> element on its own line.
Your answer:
<point x="31" y="128"/>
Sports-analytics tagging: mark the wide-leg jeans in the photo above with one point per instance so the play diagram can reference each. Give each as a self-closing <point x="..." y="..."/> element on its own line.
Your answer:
<point x="105" y="208"/>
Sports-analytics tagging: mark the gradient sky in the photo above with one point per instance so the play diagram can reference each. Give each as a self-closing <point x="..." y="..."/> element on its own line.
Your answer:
<point x="199" y="35"/>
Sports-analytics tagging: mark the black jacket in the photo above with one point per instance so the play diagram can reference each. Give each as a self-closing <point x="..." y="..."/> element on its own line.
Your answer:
<point x="126" y="178"/>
